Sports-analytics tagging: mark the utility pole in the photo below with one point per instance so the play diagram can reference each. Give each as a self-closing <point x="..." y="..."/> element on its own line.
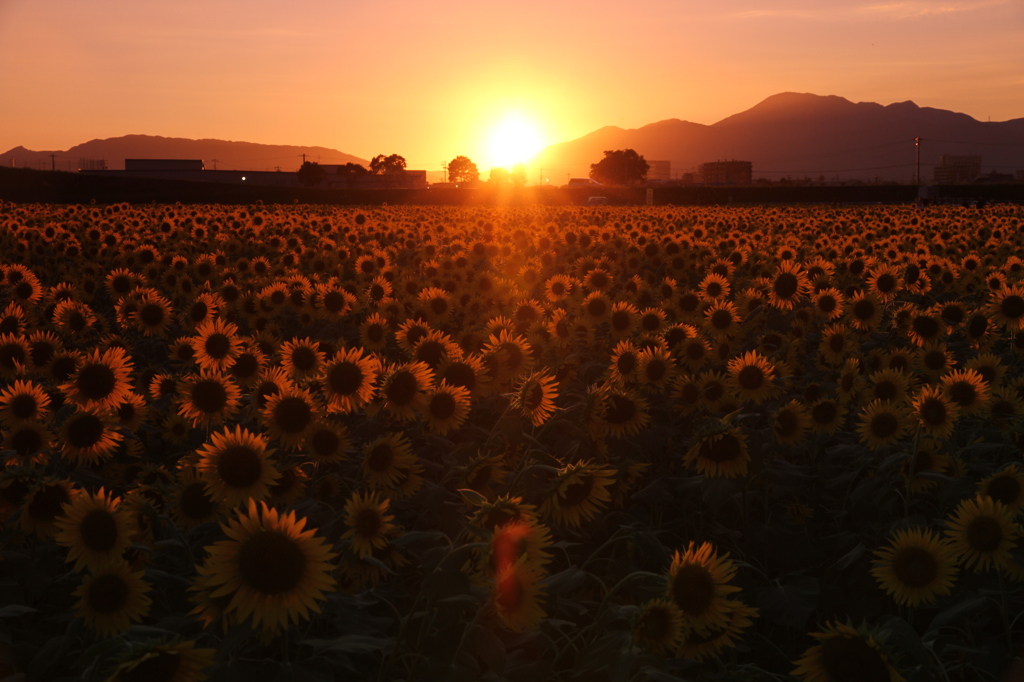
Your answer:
<point x="303" y="159"/>
<point x="444" y="172"/>
<point x="917" y="144"/>
<point x="215" y="163"/>
<point x="53" y="162"/>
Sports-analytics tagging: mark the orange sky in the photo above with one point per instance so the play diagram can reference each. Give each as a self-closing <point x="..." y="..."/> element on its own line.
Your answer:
<point x="431" y="80"/>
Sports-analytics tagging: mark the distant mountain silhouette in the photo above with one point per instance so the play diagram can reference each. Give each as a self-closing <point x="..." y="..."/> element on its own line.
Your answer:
<point x="229" y="155"/>
<point x="805" y="135"/>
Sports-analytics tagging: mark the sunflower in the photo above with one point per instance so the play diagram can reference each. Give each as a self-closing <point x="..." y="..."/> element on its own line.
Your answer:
<point x="827" y="416"/>
<point x="842" y="653"/>
<point x="368" y="524"/>
<point x="23" y="402"/>
<point x="191" y="502"/>
<point x="916" y="567"/>
<point x="170" y="662"/>
<point x="272" y="569"/>
<point x="535" y="397"/>
<point x="208" y="399"/>
<point x="710" y="642"/>
<point x="513" y="542"/>
<point x="93" y="530"/>
<point x="788" y="285"/>
<point x="446" y="408"/>
<point x="302" y="358"/>
<point x="925" y="326"/>
<point x="714" y="286"/>
<point x="936" y="413"/>
<point x="578" y="493"/>
<point x="723" y="453"/>
<point x="288" y="415"/>
<point x="113" y="597"/>
<point x="467" y="371"/>
<point x="624" y="319"/>
<point x="73" y="319"/>
<point x="374" y="332"/>
<point x="385" y="458"/>
<point x="518" y="597"/>
<point x="983" y="533"/>
<point x="89" y="436"/>
<point x="14" y="355"/>
<point x="698" y="583"/>
<point x="889" y="385"/>
<point x="236" y="466"/>
<point x="404" y="389"/>
<point x="660" y="627"/>
<point x="1006" y="486"/>
<point x="722" y="320"/>
<point x="29" y="442"/>
<point x="216" y="345"/>
<point x="1007" y="307"/>
<point x="624" y="413"/>
<point x="966" y="389"/>
<point x="791" y="423"/>
<point x="326" y="442"/>
<point x="153" y="314"/>
<point x="933" y="360"/>
<point x="247" y="366"/>
<point x="750" y="377"/>
<point x="829" y="303"/>
<point x="865" y="311"/>
<point x="289" y="488"/>
<point x="882" y="423"/>
<point x="655" y="368"/>
<point x="513" y="353"/>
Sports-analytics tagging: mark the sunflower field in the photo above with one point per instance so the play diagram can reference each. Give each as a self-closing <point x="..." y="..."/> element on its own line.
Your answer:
<point x="519" y="443"/>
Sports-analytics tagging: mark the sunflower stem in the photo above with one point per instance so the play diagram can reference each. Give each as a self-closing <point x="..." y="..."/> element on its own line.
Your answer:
<point x="910" y="472"/>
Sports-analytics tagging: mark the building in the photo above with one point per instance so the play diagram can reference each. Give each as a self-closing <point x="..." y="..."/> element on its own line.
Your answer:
<point x="659" y="170"/>
<point x="727" y="172"/>
<point x="407" y="179"/>
<point x="957" y="169"/>
<point x="92" y="164"/>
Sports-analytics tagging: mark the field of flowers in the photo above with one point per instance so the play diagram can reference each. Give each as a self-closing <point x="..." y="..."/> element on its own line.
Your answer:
<point x="552" y="443"/>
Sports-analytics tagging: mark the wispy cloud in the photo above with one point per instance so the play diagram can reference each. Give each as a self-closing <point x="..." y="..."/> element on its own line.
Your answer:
<point x="900" y="9"/>
<point x="924" y="8"/>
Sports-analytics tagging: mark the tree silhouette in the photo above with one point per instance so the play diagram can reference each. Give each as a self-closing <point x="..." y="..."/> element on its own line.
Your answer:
<point x="387" y="165"/>
<point x="311" y="174"/>
<point x="461" y="169"/>
<point x="350" y="171"/>
<point x="499" y="177"/>
<point x="620" y="167"/>
<point x="518" y="175"/>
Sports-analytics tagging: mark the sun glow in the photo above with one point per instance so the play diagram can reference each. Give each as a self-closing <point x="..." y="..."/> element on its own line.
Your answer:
<point x="515" y="139"/>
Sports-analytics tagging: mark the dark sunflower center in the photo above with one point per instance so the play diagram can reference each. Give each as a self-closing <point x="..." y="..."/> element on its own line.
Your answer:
<point x="151" y="314"/>
<point x="724" y="449"/>
<point x="576" y="493"/>
<point x="721" y="319"/>
<point x="656" y="370"/>
<point x="827" y="304"/>
<point x="41" y="352"/>
<point x="245" y="366"/>
<point x="695" y="351"/>
<point x="1005" y="489"/>
<point x="934" y="360"/>
<point x="836" y="343"/>
<point x="650" y="323"/>
<point x="194" y="503"/>
<point x="217" y="346"/>
<point x="12" y="354"/>
<point x="324" y="443"/>
<point x="625" y="363"/>
<point x="402" y="388"/>
<point x="303" y="358"/>
<point x="963" y="393"/>
<point x="863" y="309"/>
<point x="597" y="307"/>
<point x="977" y="326"/>
<point x="334" y="302"/>
<point x="442" y="406"/>
<point x="1012" y="307"/>
<point x="884" y="425"/>
<point x="293" y="414"/>
<point x="23" y="406"/>
<point x="270" y="562"/>
<point x="885" y="283"/>
<point x="368" y="523"/>
<point x="693" y="589"/>
<point x="380" y="457"/>
<point x="239" y="466"/>
<point x="99" y="530"/>
<point x="915" y="567"/>
<point x="26" y="441"/>
<point x="851" y="659"/>
<point x="84" y="430"/>
<point x="48" y="502"/>
<point x="430" y="352"/>
<point x="786" y="285"/>
<point x="934" y="412"/>
<point x="209" y="396"/>
<point x="163" y="667"/>
<point x="620" y="409"/>
<point x="107" y="594"/>
<point x="824" y="413"/>
<point x="750" y="378"/>
<point x="925" y="326"/>
<point x="533" y="397"/>
<point x="984" y="534"/>
<point x="886" y="390"/>
<point x="460" y="374"/>
<point x="621" y="320"/>
<point x="198" y="311"/>
<point x="375" y="333"/>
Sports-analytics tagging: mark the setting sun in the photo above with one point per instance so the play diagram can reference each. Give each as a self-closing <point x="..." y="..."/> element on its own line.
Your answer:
<point x="513" y="140"/>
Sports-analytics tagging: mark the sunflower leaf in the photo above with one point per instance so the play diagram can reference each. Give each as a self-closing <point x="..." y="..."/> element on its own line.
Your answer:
<point x="792" y="602"/>
<point x="958" y="612"/>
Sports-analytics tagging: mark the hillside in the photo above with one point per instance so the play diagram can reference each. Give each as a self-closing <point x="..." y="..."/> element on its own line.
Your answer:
<point x="229" y="155"/>
<point x="807" y="135"/>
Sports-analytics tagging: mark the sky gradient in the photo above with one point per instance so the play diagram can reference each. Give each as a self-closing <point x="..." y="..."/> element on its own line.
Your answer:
<point x="431" y="81"/>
